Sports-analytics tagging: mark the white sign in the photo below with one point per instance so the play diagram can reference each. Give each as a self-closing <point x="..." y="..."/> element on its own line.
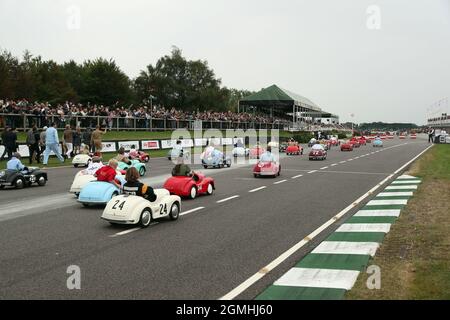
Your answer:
<point x="235" y="140"/>
<point x="214" y="141"/>
<point x="168" y="144"/>
<point x="227" y="141"/>
<point x="187" y="143"/>
<point x="24" y="151"/>
<point x="150" y="144"/>
<point x="201" y="142"/>
<point x="127" y="145"/>
<point x="108" y="146"/>
<point x="2" y="149"/>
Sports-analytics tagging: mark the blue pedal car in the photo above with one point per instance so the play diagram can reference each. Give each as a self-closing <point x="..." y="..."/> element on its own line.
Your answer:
<point x="377" y="142"/>
<point x="97" y="193"/>
<point x="141" y="168"/>
<point x="216" y="160"/>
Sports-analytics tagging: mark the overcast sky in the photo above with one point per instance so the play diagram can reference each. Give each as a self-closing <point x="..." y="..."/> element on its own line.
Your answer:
<point x="338" y="53"/>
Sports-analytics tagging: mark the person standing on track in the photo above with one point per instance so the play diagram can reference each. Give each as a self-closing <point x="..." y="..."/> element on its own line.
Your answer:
<point x="86" y="138"/>
<point x="51" y="143"/>
<point x="431" y="134"/>
<point x="42" y="140"/>
<point x="97" y="138"/>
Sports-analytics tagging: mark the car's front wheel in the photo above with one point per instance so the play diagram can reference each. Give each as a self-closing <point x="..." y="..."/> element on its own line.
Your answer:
<point x="210" y="189"/>
<point x="145" y="218"/>
<point x="41" y="181"/>
<point x="142" y="171"/>
<point x="193" y="192"/>
<point x="174" y="211"/>
<point x="19" y="183"/>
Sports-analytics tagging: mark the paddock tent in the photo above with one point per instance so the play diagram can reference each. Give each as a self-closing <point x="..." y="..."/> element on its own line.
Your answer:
<point x="277" y="101"/>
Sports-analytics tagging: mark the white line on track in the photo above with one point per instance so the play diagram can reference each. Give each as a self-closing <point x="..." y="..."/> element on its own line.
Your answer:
<point x="272" y="265"/>
<point x="334" y="164"/>
<point x="312" y="171"/>
<point x="226" y="199"/>
<point x="130" y="231"/>
<point x="257" y="189"/>
<point x="343" y="162"/>
<point x="323" y="168"/>
<point x="298" y="176"/>
<point x="350" y="159"/>
<point x="278" y="182"/>
<point x="192" y="210"/>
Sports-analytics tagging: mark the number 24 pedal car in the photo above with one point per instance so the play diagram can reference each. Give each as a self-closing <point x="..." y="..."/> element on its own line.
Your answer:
<point x="135" y="210"/>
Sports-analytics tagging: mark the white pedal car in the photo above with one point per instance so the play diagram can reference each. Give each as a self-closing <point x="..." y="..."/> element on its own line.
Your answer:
<point x="81" y="160"/>
<point x="125" y="209"/>
<point x="240" y="152"/>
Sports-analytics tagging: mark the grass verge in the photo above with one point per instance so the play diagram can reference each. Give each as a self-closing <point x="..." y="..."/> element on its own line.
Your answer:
<point x="415" y="256"/>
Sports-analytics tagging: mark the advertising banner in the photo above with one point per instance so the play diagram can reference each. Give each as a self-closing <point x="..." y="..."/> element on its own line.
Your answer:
<point x="150" y="144"/>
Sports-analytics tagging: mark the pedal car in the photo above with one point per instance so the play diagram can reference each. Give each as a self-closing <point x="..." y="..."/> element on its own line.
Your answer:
<point x="81" y="160"/>
<point x="377" y="142"/>
<point x="83" y="177"/>
<point x="141" y="156"/>
<point x="317" y="153"/>
<point x="312" y="142"/>
<point x="294" y="150"/>
<point x="346" y="146"/>
<point x="134" y="163"/>
<point x="334" y="141"/>
<point x="125" y="209"/>
<point x="97" y="193"/>
<point x="272" y="169"/>
<point x="240" y="152"/>
<point x="20" y="179"/>
<point x="216" y="160"/>
<point x="256" y="152"/>
<point x="190" y="186"/>
<point x="354" y="143"/>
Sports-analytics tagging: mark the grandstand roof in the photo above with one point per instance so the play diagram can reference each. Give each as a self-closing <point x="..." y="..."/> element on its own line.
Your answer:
<point x="278" y="97"/>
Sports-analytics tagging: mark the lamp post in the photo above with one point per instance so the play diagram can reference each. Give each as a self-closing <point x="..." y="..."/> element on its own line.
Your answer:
<point x="353" y="131"/>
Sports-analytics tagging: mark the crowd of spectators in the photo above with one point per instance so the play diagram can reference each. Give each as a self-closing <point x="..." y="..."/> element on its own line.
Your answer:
<point x="117" y="116"/>
<point x="43" y="113"/>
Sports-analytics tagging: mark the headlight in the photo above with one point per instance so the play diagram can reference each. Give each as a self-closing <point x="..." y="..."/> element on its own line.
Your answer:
<point x="2" y="173"/>
<point x="33" y="178"/>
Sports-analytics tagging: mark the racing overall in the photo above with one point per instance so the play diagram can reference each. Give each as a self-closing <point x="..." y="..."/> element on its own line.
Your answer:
<point x="139" y="189"/>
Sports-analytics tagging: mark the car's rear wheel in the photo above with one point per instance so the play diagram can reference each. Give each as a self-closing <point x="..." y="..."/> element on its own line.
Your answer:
<point x="142" y="171"/>
<point x="41" y="181"/>
<point x="147" y="159"/>
<point x="205" y="166"/>
<point x="75" y="165"/>
<point x="85" y="204"/>
<point x="2" y="187"/>
<point x="19" y="183"/>
<point x="115" y="194"/>
<point x="210" y="189"/>
<point x="193" y="192"/>
<point x="255" y="175"/>
<point x="174" y="211"/>
<point x="145" y="218"/>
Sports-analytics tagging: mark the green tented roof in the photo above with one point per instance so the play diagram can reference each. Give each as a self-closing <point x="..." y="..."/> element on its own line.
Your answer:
<point x="277" y="96"/>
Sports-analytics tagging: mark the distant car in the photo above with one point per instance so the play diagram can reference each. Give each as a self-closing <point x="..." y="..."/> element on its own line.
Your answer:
<point x="190" y="186"/>
<point x="141" y="168"/>
<point x="283" y="147"/>
<point x="377" y="142"/>
<point x="81" y="160"/>
<point x="294" y="150"/>
<point x="334" y="141"/>
<point x="135" y="210"/>
<point x="256" y="152"/>
<point x="354" y="143"/>
<point x="312" y="142"/>
<point x="368" y="139"/>
<point x="272" y="169"/>
<point x="216" y="161"/>
<point x="317" y="154"/>
<point x="18" y="179"/>
<point x="347" y="146"/>
<point x="142" y="157"/>
<point x="362" y="141"/>
<point x="97" y="193"/>
<point x="413" y="136"/>
<point x="240" y="152"/>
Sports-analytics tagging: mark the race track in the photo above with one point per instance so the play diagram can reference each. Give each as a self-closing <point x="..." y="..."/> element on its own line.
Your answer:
<point x="203" y="255"/>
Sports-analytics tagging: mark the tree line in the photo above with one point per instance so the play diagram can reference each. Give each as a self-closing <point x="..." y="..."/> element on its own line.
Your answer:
<point x="173" y="81"/>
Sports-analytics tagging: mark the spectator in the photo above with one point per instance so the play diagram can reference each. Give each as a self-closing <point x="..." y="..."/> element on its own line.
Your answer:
<point x="77" y="140"/>
<point x="32" y="142"/>
<point x="42" y="140"/>
<point x="10" y="142"/>
<point x="96" y="139"/>
<point x="51" y="144"/>
<point x="68" y="141"/>
<point x="86" y="138"/>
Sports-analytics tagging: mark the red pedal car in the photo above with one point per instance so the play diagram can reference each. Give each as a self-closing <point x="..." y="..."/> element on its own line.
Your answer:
<point x="190" y="186"/>
<point x="266" y="169"/>
<point x="347" y="146"/>
<point x="139" y="155"/>
<point x="294" y="150"/>
<point x="256" y="152"/>
<point x="317" y="154"/>
<point x="354" y="143"/>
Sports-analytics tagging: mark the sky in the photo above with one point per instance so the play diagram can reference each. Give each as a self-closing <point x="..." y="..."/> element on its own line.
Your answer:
<point x="378" y="60"/>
